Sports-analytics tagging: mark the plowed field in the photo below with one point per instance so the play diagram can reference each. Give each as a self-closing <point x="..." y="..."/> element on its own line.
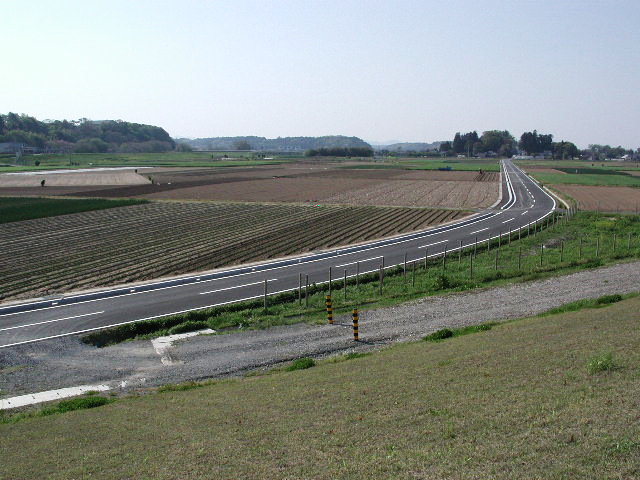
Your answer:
<point x="140" y="242"/>
<point x="603" y="199"/>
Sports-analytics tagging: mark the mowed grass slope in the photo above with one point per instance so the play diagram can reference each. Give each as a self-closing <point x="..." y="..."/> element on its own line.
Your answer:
<point x="515" y="402"/>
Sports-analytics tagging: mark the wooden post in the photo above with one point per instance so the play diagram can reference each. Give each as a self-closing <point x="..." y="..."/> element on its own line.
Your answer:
<point x="497" y="250"/>
<point x="357" y="274"/>
<point x="470" y="266"/>
<point x="426" y="254"/>
<point x="541" y="253"/>
<point x="330" y="281"/>
<point x="405" y="267"/>
<point x="444" y="259"/>
<point x="520" y="258"/>
<point x="306" y="291"/>
<point x="381" y="276"/>
<point x="580" y="251"/>
<point x="413" y="273"/>
<point x="300" y="289"/>
<point x="345" y="285"/>
<point x="265" y="295"/>
<point x="475" y="247"/>
<point x="355" y="318"/>
<point x="561" y="250"/>
<point x="460" y="253"/>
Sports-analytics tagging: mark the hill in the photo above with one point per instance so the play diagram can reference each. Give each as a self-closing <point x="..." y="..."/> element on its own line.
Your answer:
<point x="409" y="147"/>
<point x="280" y="144"/>
<point x="26" y="133"/>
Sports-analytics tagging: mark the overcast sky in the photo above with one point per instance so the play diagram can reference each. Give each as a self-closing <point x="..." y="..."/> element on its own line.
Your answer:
<point x="380" y="70"/>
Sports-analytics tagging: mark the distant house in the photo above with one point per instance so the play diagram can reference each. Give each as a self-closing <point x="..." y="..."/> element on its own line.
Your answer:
<point x="10" y="147"/>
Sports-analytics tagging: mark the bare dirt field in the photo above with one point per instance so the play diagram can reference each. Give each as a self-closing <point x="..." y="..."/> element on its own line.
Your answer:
<point x="126" y="244"/>
<point x="603" y="199"/>
<point x="80" y="179"/>
<point x="298" y="182"/>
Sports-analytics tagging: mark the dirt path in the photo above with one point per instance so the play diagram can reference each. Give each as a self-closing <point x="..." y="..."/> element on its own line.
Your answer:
<point x="67" y="362"/>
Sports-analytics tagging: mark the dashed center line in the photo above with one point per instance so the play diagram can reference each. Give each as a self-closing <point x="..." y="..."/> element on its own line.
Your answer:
<point x="432" y="244"/>
<point x="238" y="286"/>
<point x="51" y="321"/>
<point x="510" y="220"/>
<point x="478" y="231"/>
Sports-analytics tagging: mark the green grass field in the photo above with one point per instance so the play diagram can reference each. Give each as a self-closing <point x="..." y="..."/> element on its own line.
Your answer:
<point x="488" y="165"/>
<point x="586" y="179"/>
<point x="169" y="159"/>
<point x="551" y="397"/>
<point x="14" y="209"/>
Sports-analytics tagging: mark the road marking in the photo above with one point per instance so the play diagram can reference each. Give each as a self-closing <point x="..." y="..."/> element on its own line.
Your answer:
<point x="30" y="399"/>
<point x="478" y="231"/>
<point x="524" y="213"/>
<point x="432" y="244"/>
<point x="361" y="261"/>
<point x="510" y="220"/>
<point x="238" y="286"/>
<point x="51" y="321"/>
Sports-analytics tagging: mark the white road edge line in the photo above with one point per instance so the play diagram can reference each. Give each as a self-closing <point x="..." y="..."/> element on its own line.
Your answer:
<point x="478" y="231"/>
<point x="436" y="243"/>
<point x="32" y="398"/>
<point x="51" y="321"/>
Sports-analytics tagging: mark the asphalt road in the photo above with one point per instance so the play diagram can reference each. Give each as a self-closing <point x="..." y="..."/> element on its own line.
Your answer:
<point x="523" y="203"/>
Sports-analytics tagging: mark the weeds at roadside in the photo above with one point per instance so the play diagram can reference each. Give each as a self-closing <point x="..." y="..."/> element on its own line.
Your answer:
<point x="300" y="364"/>
<point x="64" y="406"/>
<point x="445" y="333"/>
<point x="601" y="363"/>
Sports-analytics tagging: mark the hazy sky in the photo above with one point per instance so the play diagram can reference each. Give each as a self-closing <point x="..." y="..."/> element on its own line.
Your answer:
<point x="379" y="70"/>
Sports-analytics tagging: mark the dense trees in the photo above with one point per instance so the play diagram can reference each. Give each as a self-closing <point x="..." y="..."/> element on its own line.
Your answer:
<point x="340" y="152"/>
<point x="84" y="135"/>
<point x="533" y="143"/>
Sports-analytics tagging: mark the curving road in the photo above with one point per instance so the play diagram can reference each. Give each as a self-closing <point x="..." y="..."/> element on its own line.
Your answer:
<point x="523" y="203"/>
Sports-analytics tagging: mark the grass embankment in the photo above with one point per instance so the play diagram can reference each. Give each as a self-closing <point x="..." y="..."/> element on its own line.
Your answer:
<point x="14" y="209"/>
<point x="169" y="159"/>
<point x="533" y="398"/>
<point x="587" y="241"/>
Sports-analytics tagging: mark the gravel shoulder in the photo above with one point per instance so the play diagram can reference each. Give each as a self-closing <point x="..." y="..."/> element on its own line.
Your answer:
<point x="67" y="362"/>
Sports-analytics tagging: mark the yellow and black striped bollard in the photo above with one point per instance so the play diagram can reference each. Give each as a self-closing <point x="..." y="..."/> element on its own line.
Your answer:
<point x="355" y="317"/>
<point x="329" y="309"/>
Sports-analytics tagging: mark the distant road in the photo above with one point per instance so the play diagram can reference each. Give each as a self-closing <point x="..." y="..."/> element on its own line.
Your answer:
<point x="523" y="203"/>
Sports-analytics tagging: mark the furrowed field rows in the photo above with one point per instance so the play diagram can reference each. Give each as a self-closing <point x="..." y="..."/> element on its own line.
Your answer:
<point x="89" y="249"/>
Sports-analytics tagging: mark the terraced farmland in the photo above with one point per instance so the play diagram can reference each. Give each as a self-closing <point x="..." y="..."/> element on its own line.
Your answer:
<point x="58" y="254"/>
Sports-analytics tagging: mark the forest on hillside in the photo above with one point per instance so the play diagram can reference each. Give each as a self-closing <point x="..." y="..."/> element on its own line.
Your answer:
<point x="81" y="136"/>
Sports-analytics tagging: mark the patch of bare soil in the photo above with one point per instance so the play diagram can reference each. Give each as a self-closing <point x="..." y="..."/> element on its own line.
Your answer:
<point x="80" y="179"/>
<point x="603" y="198"/>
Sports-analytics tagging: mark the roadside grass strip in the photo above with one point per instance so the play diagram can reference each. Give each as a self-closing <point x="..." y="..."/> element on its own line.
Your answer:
<point x="588" y="240"/>
<point x="513" y="402"/>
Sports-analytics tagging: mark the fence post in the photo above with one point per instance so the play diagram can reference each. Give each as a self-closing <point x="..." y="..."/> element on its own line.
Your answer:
<point x="330" y="292"/>
<point x="614" y="242"/>
<point x="497" y="250"/>
<point x="580" y="251"/>
<point x="265" y="295"/>
<point x="300" y="288"/>
<point x="327" y="302"/>
<point x="306" y="291"/>
<point x="541" y="253"/>
<point x="475" y="247"/>
<point x="413" y="273"/>
<point x="444" y="259"/>
<point x="405" y="267"/>
<point x="509" y="236"/>
<point x="489" y="243"/>
<point x="357" y="274"/>
<point x="520" y="258"/>
<point x="500" y="239"/>
<point x="460" y="253"/>
<point x="629" y="244"/>
<point x="355" y="318"/>
<point x="470" y="266"/>
<point x="345" y="285"/>
<point x="598" y="246"/>
<point x="561" y="250"/>
<point x="381" y="274"/>
<point x="426" y="254"/>
<point x="519" y="229"/>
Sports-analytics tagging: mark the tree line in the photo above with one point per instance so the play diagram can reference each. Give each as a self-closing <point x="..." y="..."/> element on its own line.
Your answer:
<point x="83" y="136"/>
<point x="502" y="143"/>
<point x="340" y="152"/>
